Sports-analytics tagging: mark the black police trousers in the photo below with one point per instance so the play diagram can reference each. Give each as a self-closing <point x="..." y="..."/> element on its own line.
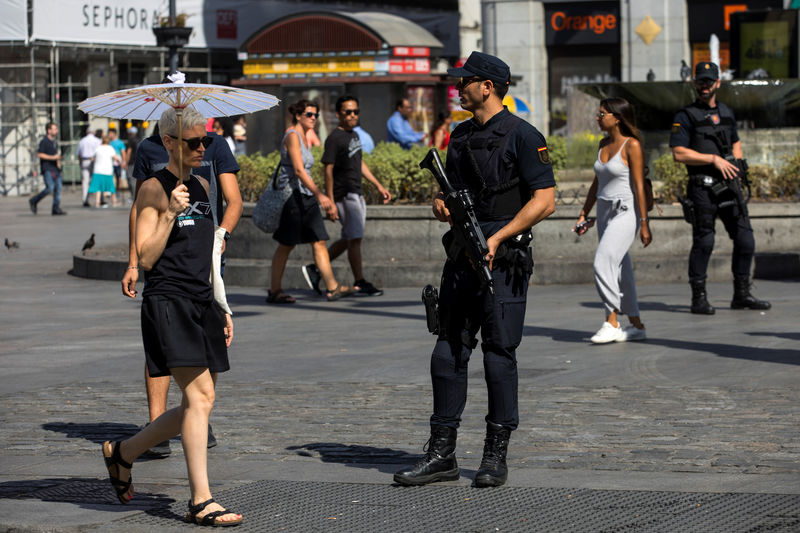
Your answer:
<point x="464" y="308"/>
<point x="736" y="222"/>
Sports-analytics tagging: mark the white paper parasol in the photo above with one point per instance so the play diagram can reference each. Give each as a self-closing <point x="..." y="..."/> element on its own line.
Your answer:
<point x="150" y="101"/>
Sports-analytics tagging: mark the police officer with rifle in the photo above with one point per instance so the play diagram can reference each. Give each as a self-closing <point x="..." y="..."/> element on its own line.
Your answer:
<point x="704" y="138"/>
<point x="501" y="175"/>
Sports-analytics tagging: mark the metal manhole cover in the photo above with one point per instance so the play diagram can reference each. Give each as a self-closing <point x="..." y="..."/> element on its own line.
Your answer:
<point x="309" y="507"/>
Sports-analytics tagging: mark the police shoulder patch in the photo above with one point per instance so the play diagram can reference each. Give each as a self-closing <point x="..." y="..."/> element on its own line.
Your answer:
<point x="544" y="155"/>
<point x="676" y="127"/>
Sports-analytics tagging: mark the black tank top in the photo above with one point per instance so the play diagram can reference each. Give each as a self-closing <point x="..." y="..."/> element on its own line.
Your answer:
<point x="185" y="265"/>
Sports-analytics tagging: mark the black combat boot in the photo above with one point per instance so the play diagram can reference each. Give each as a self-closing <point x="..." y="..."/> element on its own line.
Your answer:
<point x="493" y="471"/>
<point x="742" y="299"/>
<point x="700" y="305"/>
<point x="439" y="463"/>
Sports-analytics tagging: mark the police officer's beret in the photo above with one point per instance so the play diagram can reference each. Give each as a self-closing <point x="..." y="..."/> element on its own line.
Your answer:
<point x="706" y="71"/>
<point x="484" y="66"/>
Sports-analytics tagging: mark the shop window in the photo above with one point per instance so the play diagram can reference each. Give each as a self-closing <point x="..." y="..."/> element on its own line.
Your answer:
<point x="569" y="69"/>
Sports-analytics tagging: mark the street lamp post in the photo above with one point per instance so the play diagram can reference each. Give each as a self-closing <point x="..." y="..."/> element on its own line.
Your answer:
<point x="173" y="36"/>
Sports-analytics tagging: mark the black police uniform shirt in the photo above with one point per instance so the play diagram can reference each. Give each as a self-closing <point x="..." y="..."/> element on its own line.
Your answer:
<point x="528" y="149"/>
<point x="343" y="151"/>
<point x="151" y="157"/>
<point x="683" y="130"/>
<point x="184" y="267"/>
<point x="46" y="146"/>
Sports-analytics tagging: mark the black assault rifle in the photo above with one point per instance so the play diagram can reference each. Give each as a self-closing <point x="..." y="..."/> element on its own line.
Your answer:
<point x="466" y="231"/>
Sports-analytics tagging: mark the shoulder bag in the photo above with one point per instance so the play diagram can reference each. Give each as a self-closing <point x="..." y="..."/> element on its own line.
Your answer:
<point x="268" y="209"/>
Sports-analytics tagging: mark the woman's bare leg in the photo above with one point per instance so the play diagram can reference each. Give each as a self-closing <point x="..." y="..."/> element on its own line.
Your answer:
<point x="164" y="427"/>
<point x="197" y="385"/>
<point x="279" y="259"/>
<point x="323" y="262"/>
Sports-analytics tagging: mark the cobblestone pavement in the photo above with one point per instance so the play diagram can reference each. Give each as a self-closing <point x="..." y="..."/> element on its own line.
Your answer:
<point x="652" y="429"/>
<point x="339" y="393"/>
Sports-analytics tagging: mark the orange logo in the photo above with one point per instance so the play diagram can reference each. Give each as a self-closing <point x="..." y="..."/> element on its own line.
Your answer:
<point x="730" y="9"/>
<point x="560" y="21"/>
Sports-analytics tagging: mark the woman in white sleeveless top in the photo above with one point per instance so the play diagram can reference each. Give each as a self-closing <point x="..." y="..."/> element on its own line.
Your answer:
<point x="618" y="189"/>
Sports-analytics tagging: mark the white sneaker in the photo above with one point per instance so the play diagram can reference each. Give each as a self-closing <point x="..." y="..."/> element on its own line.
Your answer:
<point x="632" y="333"/>
<point x="608" y="333"/>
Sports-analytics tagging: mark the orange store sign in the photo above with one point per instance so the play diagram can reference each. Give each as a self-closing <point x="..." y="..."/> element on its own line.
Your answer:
<point x="582" y="23"/>
<point x="598" y="24"/>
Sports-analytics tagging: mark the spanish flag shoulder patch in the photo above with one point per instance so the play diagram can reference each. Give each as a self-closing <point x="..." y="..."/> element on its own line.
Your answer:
<point x="676" y="127"/>
<point x="544" y="155"/>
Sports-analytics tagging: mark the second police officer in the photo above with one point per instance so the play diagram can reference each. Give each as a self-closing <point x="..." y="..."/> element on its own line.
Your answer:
<point x="705" y="139"/>
<point x="503" y="161"/>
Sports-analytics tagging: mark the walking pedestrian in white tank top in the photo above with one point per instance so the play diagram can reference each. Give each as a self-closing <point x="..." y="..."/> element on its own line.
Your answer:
<point x="618" y="189"/>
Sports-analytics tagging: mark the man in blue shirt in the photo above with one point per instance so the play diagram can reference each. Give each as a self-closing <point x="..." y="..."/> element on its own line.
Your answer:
<point x="50" y="165"/>
<point x="398" y="129"/>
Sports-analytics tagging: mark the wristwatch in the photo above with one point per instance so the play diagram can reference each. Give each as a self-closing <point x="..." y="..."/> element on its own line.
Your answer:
<point x="227" y="236"/>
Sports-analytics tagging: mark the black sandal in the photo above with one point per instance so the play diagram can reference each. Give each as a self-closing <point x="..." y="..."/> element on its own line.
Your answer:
<point x="211" y="518"/>
<point x="279" y="297"/>
<point x="338" y="292"/>
<point x="115" y="460"/>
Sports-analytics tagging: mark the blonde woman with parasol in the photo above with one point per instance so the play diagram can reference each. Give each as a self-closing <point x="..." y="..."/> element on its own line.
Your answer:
<point x="184" y="330"/>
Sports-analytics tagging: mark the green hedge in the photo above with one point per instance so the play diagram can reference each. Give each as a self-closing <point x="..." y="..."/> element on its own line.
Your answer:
<point x="395" y="168"/>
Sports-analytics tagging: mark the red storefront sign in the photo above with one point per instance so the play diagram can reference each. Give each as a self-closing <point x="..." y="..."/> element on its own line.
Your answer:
<point x="411" y="51"/>
<point x="409" y="66"/>
<point x="227" y="21"/>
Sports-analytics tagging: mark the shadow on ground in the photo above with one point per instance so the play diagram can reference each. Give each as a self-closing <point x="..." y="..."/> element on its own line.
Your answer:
<point x="386" y="460"/>
<point x="98" y="433"/>
<point x="645" y="306"/>
<point x="89" y="493"/>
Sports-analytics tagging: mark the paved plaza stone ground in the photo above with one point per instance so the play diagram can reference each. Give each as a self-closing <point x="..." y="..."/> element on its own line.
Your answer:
<point x="697" y="429"/>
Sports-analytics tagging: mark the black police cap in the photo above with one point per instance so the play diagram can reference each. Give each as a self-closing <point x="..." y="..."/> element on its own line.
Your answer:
<point x="484" y="66"/>
<point x="706" y="71"/>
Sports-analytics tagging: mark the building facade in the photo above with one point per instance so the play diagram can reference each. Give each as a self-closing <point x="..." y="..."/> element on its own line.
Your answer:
<point x="553" y="45"/>
<point x="67" y="50"/>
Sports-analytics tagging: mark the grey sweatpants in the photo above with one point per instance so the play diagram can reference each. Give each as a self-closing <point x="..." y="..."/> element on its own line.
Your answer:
<point x="617" y="225"/>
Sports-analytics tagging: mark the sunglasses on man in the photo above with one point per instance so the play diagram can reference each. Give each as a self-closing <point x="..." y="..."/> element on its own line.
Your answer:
<point x="195" y="142"/>
<point x="348" y="112"/>
<point x="463" y="82"/>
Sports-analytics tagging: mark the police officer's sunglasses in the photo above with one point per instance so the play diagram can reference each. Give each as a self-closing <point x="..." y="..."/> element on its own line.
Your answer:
<point x="195" y="142"/>
<point x="463" y="82"/>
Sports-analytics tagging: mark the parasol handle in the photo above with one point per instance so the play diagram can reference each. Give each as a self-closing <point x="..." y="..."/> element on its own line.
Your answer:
<point x="179" y="112"/>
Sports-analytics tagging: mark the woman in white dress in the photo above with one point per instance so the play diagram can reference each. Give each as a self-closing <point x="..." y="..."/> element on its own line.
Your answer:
<point x="618" y="189"/>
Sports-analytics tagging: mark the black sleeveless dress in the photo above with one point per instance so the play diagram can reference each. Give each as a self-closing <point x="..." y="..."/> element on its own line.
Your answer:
<point x="181" y="324"/>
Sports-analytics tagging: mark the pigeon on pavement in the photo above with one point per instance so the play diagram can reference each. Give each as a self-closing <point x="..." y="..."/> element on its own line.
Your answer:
<point x="88" y="244"/>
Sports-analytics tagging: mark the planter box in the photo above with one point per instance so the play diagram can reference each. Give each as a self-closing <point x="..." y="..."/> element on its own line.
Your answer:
<point x="172" y="36"/>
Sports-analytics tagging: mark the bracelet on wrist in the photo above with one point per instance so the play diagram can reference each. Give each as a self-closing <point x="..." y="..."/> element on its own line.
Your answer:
<point x="645" y="219"/>
<point x="133" y="268"/>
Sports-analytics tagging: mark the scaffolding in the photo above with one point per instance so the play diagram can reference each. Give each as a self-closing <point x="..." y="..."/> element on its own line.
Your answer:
<point x="44" y="82"/>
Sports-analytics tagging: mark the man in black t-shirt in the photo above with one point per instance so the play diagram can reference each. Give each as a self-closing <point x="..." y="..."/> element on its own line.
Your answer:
<point x="50" y="165"/>
<point x="343" y="171"/>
